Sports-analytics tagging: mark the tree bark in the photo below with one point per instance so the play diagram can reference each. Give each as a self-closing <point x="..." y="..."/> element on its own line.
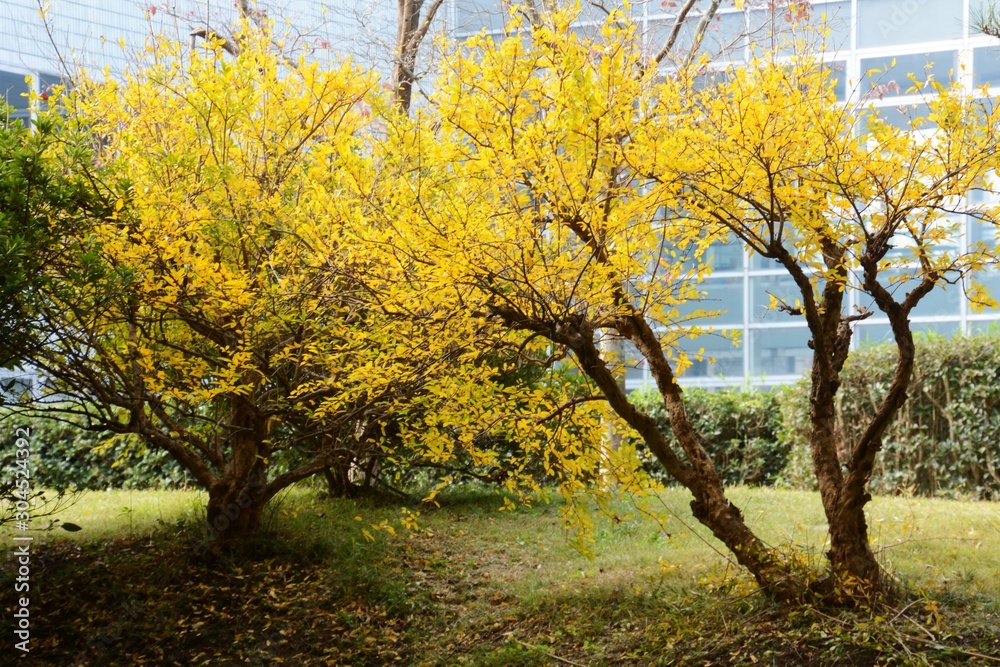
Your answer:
<point x="338" y="478"/>
<point x="237" y="498"/>
<point x="406" y="51"/>
<point x="710" y="505"/>
<point x="235" y="505"/>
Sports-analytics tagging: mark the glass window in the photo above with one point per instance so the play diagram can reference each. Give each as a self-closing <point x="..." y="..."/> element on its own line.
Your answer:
<point x="13" y="89"/>
<point x="759" y="263"/>
<point x="719" y="294"/>
<point x="657" y="33"/>
<point x="986" y="66"/>
<point x="837" y="71"/>
<point x="873" y="334"/>
<point x="720" y="357"/>
<point x="471" y="16"/>
<point x="780" y="351"/>
<point x="902" y="116"/>
<point x="977" y="7"/>
<point x="892" y="80"/>
<point x="725" y="36"/>
<point x="982" y="232"/>
<point x="726" y="256"/>
<point x="719" y="256"/>
<point x="892" y="22"/>
<point x="782" y="287"/>
<point x="904" y="246"/>
<point x="593" y="10"/>
<point x="823" y="27"/>
<point x="942" y="300"/>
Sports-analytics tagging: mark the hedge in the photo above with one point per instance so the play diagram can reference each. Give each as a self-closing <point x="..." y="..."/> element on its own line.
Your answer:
<point x="739" y="430"/>
<point x="65" y="456"/>
<point x="945" y="442"/>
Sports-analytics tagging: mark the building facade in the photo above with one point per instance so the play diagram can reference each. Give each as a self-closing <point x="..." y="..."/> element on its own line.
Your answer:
<point x="899" y="37"/>
<point x="925" y="38"/>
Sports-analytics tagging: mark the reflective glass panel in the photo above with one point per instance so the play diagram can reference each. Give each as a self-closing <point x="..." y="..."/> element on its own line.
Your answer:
<point x="889" y="80"/>
<point x="780" y="351"/>
<point x="720" y="294"/>
<point x="783" y="287"/>
<point x="891" y="22"/>
<point x="721" y="358"/>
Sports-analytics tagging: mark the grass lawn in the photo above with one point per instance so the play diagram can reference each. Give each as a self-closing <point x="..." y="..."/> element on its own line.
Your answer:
<point x="334" y="582"/>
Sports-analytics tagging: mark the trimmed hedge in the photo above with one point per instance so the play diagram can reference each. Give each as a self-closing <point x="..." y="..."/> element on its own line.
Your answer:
<point x="945" y="441"/>
<point x="739" y="429"/>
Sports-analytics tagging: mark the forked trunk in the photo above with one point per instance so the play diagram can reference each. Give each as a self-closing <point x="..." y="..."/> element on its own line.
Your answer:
<point x="854" y="568"/>
<point x="853" y="563"/>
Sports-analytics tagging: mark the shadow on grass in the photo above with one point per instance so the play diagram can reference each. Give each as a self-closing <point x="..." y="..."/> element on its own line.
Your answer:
<point x="324" y="586"/>
<point x="336" y="598"/>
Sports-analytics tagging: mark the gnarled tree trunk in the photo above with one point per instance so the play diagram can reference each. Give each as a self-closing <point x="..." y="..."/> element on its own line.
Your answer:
<point x="237" y="498"/>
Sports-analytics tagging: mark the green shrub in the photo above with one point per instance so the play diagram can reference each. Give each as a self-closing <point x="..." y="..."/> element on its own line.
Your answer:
<point x="739" y="430"/>
<point x="65" y="456"/>
<point x="944" y="442"/>
<point x="793" y="410"/>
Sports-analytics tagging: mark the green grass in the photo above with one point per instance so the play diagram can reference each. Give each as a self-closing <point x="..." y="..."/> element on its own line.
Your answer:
<point x="343" y="582"/>
<point x="118" y="513"/>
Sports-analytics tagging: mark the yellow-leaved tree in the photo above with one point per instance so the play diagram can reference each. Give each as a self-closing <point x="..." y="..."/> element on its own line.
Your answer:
<point x="225" y="290"/>
<point x="229" y="324"/>
<point x="843" y="200"/>
<point x="572" y="189"/>
<point x="243" y="307"/>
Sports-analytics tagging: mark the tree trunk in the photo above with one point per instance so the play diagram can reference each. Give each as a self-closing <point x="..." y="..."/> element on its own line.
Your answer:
<point x="698" y="474"/>
<point x="852" y="560"/>
<point x="710" y="505"/>
<point x="853" y="563"/>
<point x="237" y="498"/>
<point x="235" y="505"/>
<point x="406" y="56"/>
<point x="338" y="479"/>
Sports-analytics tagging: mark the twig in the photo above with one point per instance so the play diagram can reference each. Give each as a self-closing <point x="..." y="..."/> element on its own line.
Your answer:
<point x="43" y="11"/>
<point x="919" y="627"/>
<point x="678" y="22"/>
<point x="951" y="648"/>
<point x="549" y="654"/>
<point x="903" y="610"/>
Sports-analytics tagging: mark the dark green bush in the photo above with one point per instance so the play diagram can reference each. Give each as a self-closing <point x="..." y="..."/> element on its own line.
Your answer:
<point x="739" y="429"/>
<point x="65" y="456"/>
<point x="946" y="439"/>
